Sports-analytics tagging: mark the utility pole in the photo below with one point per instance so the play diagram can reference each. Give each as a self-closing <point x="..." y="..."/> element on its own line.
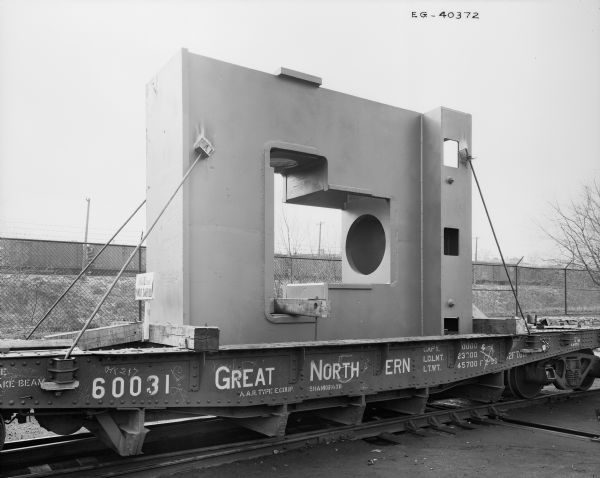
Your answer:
<point x="319" y="248"/>
<point x="476" y="241"/>
<point x="87" y="220"/>
<point x="85" y="237"/>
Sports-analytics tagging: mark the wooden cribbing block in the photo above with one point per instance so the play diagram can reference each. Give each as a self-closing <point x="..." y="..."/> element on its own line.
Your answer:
<point x="571" y="322"/>
<point x="104" y="336"/>
<point x="503" y="325"/>
<point x="200" y="339"/>
<point x="33" y="344"/>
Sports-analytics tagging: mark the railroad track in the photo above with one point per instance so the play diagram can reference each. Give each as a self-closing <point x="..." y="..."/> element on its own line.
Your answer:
<point x="82" y="455"/>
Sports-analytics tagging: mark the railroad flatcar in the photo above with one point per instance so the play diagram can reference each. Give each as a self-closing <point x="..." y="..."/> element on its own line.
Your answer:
<point x="216" y="338"/>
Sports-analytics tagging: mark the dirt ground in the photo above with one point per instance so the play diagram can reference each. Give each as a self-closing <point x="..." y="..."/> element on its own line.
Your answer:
<point x="25" y="431"/>
<point x="498" y="450"/>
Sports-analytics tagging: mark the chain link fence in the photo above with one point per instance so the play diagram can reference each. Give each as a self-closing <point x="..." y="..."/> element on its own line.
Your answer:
<point x="34" y="273"/>
<point x="540" y="290"/>
<point x="303" y="269"/>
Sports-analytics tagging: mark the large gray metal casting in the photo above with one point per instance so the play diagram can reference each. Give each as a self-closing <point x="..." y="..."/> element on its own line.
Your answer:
<point x="406" y="217"/>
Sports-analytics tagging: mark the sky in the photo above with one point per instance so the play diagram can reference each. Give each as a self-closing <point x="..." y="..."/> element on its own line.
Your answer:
<point x="72" y="97"/>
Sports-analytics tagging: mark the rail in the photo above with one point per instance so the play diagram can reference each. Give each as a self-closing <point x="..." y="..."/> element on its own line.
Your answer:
<point x="154" y="464"/>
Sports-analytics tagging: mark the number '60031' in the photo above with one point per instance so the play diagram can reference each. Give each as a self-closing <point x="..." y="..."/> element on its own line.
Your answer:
<point x="118" y="386"/>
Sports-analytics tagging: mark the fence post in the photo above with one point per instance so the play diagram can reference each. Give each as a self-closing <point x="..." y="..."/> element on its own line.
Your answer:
<point x="565" y="290"/>
<point x="140" y="302"/>
<point x="517" y="290"/>
<point x="565" y="285"/>
<point x="517" y="286"/>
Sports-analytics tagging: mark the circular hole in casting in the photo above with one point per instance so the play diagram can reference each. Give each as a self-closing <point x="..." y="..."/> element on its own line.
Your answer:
<point x="365" y="244"/>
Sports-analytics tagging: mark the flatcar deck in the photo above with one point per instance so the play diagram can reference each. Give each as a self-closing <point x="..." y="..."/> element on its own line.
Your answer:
<point x="261" y="384"/>
<point x="241" y="375"/>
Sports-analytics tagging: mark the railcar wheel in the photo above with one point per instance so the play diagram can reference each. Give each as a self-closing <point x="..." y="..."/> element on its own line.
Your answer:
<point x="559" y="385"/>
<point x="586" y="383"/>
<point x="568" y="370"/>
<point x="2" y="431"/>
<point x="525" y="381"/>
<point x="60" y="424"/>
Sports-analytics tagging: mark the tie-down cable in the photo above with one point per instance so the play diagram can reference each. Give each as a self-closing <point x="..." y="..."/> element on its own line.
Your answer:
<point x="204" y="149"/>
<point x="465" y="157"/>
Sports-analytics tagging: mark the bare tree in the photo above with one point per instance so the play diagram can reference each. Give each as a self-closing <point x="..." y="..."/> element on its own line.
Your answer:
<point x="577" y="230"/>
<point x="286" y="234"/>
<point x="292" y="232"/>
